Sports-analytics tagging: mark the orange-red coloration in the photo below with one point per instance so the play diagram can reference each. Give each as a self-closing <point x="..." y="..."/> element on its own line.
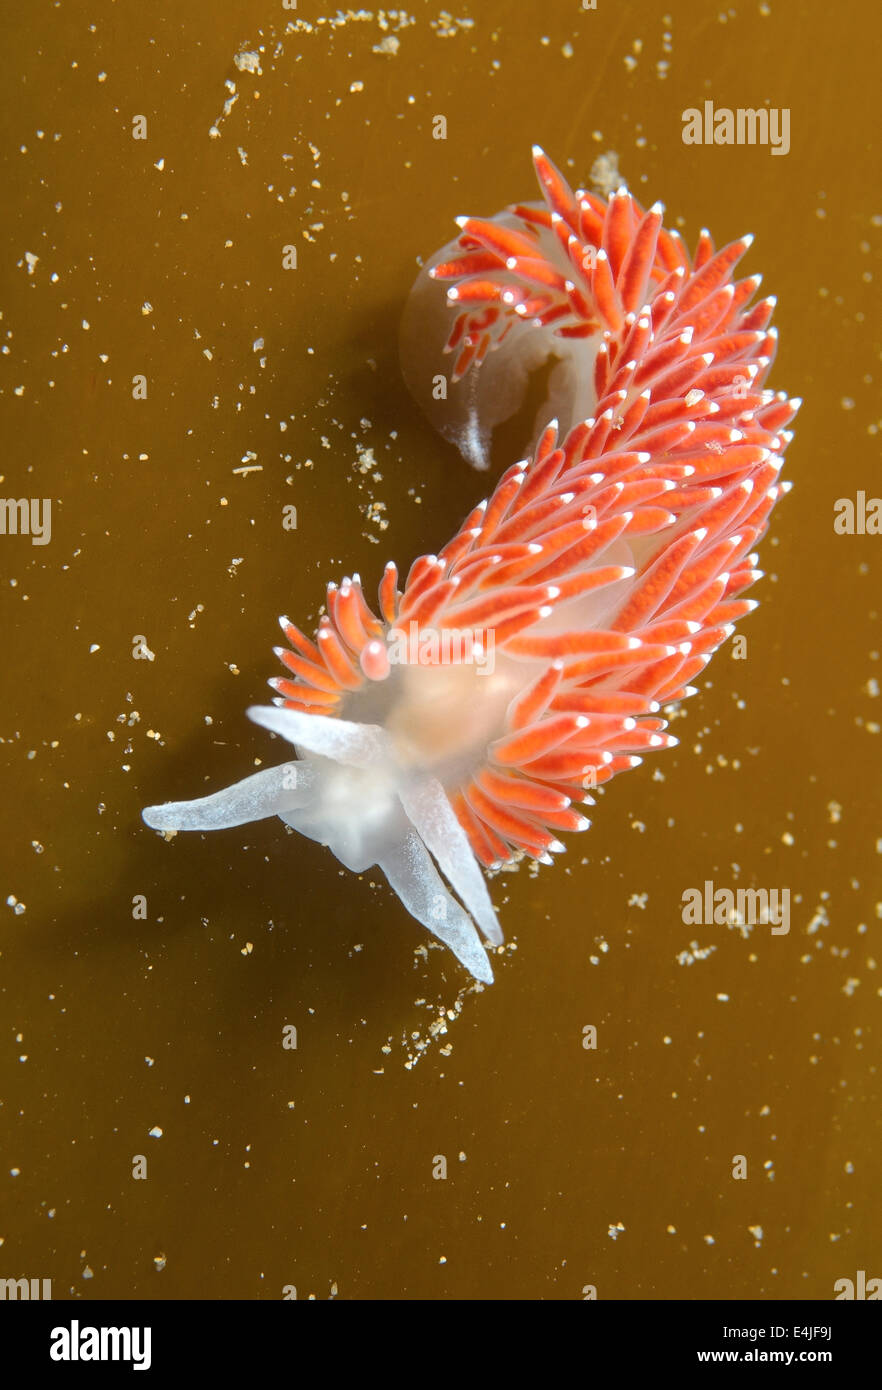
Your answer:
<point x="681" y="459"/>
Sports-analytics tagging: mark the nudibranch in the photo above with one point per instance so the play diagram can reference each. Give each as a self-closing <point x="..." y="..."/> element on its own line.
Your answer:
<point x="528" y="661"/>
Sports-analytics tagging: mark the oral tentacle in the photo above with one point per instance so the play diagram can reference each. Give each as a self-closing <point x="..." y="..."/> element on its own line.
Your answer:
<point x="430" y="811"/>
<point x="273" y="792"/>
<point x="357" y="745"/>
<point x="413" y="876"/>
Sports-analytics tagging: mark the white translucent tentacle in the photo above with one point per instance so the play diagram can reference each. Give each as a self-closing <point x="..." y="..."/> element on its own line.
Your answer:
<point x="271" y="792"/>
<point x="427" y="806"/>
<point x="358" y="745"/>
<point x="398" y="827"/>
<point x="413" y="876"/>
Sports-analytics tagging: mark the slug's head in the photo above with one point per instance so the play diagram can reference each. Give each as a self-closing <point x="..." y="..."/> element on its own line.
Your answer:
<point x="350" y="790"/>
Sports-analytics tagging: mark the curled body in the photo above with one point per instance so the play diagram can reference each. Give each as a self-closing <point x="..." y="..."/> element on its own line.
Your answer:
<point x="466" y="720"/>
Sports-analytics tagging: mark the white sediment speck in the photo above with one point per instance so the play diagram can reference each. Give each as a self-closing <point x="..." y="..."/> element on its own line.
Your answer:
<point x="248" y="62"/>
<point x="694" y="953"/>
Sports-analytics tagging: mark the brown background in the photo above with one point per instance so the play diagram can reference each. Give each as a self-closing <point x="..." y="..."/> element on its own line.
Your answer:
<point x="314" y="1167"/>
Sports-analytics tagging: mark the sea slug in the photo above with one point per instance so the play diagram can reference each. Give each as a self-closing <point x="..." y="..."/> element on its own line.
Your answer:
<point x="527" y="662"/>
